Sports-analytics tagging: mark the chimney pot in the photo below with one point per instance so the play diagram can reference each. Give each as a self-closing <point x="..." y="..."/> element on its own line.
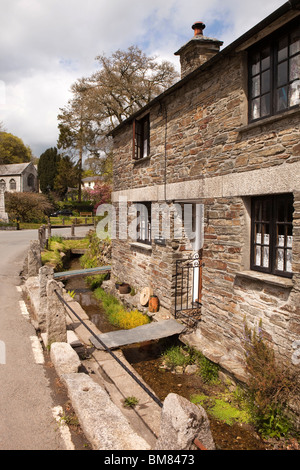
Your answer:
<point x="198" y="28"/>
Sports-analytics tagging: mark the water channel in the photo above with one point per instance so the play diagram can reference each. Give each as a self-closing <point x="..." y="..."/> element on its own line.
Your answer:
<point x="146" y="358"/>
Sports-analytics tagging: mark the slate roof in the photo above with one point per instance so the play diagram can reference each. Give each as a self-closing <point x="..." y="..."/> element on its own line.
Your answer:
<point x="14" y="169"/>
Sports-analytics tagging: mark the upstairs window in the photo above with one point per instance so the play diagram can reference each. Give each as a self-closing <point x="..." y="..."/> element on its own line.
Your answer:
<point x="272" y="234"/>
<point x="141" y="138"/>
<point x="274" y="74"/>
<point x="144" y="222"/>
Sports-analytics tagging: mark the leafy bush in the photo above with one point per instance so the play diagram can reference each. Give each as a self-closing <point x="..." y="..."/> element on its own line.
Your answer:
<point x="181" y="355"/>
<point x="27" y="207"/>
<point x="176" y="356"/>
<point x="270" y="388"/>
<point x="208" y="370"/>
<point x="101" y="194"/>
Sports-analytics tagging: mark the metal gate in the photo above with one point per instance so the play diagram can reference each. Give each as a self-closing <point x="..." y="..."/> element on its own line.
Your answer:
<point x="188" y="286"/>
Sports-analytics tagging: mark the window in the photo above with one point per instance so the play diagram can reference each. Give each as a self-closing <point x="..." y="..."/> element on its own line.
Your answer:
<point x="12" y="185"/>
<point x="30" y="181"/>
<point x="141" y="137"/>
<point x="274" y="74"/>
<point x="272" y="234"/>
<point x="3" y="184"/>
<point x="144" y="223"/>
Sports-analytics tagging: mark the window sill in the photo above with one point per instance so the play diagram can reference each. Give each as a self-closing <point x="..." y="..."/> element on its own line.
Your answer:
<point x="284" y="282"/>
<point x="141" y="246"/>
<point x="268" y="120"/>
<point x="141" y="160"/>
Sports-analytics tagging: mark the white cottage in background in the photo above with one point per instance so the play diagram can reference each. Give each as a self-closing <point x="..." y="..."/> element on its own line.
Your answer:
<point x="90" y="182"/>
<point x="19" y="177"/>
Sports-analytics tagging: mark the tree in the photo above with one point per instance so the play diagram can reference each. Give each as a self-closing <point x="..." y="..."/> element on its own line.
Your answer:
<point x="28" y="207"/>
<point x="66" y="177"/>
<point x="101" y="194"/>
<point x="101" y="166"/>
<point x="13" y="149"/>
<point x="48" y="168"/>
<point x="126" y="81"/>
<point x="74" y="129"/>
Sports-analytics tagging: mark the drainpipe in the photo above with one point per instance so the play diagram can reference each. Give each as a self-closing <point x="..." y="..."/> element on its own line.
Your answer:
<point x="165" y="116"/>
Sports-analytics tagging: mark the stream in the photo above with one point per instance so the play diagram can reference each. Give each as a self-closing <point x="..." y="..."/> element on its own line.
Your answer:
<point x="146" y="360"/>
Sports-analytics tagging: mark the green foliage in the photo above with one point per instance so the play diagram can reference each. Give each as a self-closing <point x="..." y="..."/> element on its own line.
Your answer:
<point x="209" y="371"/>
<point x="67" y="176"/>
<point x="48" y="169"/>
<point x="76" y="206"/>
<point x="27" y="207"/>
<point x="176" y="356"/>
<point x="53" y="258"/>
<point x="58" y="245"/>
<point x="93" y="258"/>
<point x="56" y="238"/>
<point x="130" y="402"/>
<point x="13" y="149"/>
<point x="271" y="386"/>
<point x="183" y="356"/>
<point x="95" y="281"/>
<point x="222" y="409"/>
<point x="117" y="314"/>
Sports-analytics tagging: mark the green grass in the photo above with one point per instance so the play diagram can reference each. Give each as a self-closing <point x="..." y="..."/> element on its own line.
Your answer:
<point x="29" y="226"/>
<point x="183" y="356"/>
<point x="58" y="245"/>
<point x="222" y="408"/>
<point x="70" y="220"/>
<point x="176" y="356"/>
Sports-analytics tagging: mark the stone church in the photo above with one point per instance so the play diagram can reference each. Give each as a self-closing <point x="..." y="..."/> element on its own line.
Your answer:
<point x="19" y="177"/>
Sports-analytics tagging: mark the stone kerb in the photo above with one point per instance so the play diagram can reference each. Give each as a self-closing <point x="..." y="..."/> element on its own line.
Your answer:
<point x="42" y="236"/>
<point x="64" y="358"/>
<point x="45" y="275"/>
<point x="56" y="326"/>
<point x="34" y="258"/>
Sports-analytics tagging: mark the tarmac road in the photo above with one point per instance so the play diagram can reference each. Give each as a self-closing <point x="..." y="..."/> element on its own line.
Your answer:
<point x="26" y="420"/>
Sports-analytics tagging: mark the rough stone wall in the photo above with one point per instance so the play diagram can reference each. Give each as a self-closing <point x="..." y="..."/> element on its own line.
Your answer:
<point x="144" y="266"/>
<point x="199" y="133"/>
<point x="197" y="130"/>
<point x="230" y="298"/>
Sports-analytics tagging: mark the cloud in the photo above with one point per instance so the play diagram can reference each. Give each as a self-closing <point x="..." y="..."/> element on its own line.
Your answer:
<point x="47" y="44"/>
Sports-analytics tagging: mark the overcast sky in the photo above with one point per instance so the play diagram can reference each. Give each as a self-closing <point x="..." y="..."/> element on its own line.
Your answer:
<point x="45" y="45"/>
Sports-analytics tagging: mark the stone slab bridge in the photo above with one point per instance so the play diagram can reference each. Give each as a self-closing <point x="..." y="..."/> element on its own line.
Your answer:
<point x="82" y="272"/>
<point x="140" y="334"/>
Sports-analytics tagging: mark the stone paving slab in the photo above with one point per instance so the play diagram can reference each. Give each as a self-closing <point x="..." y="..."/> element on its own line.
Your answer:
<point x="151" y="331"/>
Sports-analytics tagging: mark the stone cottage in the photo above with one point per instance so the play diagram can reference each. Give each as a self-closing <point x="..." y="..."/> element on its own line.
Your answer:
<point x="218" y="155"/>
<point x="19" y="177"/>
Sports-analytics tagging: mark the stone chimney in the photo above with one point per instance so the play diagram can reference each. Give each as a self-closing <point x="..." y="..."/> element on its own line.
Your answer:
<point x="197" y="50"/>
